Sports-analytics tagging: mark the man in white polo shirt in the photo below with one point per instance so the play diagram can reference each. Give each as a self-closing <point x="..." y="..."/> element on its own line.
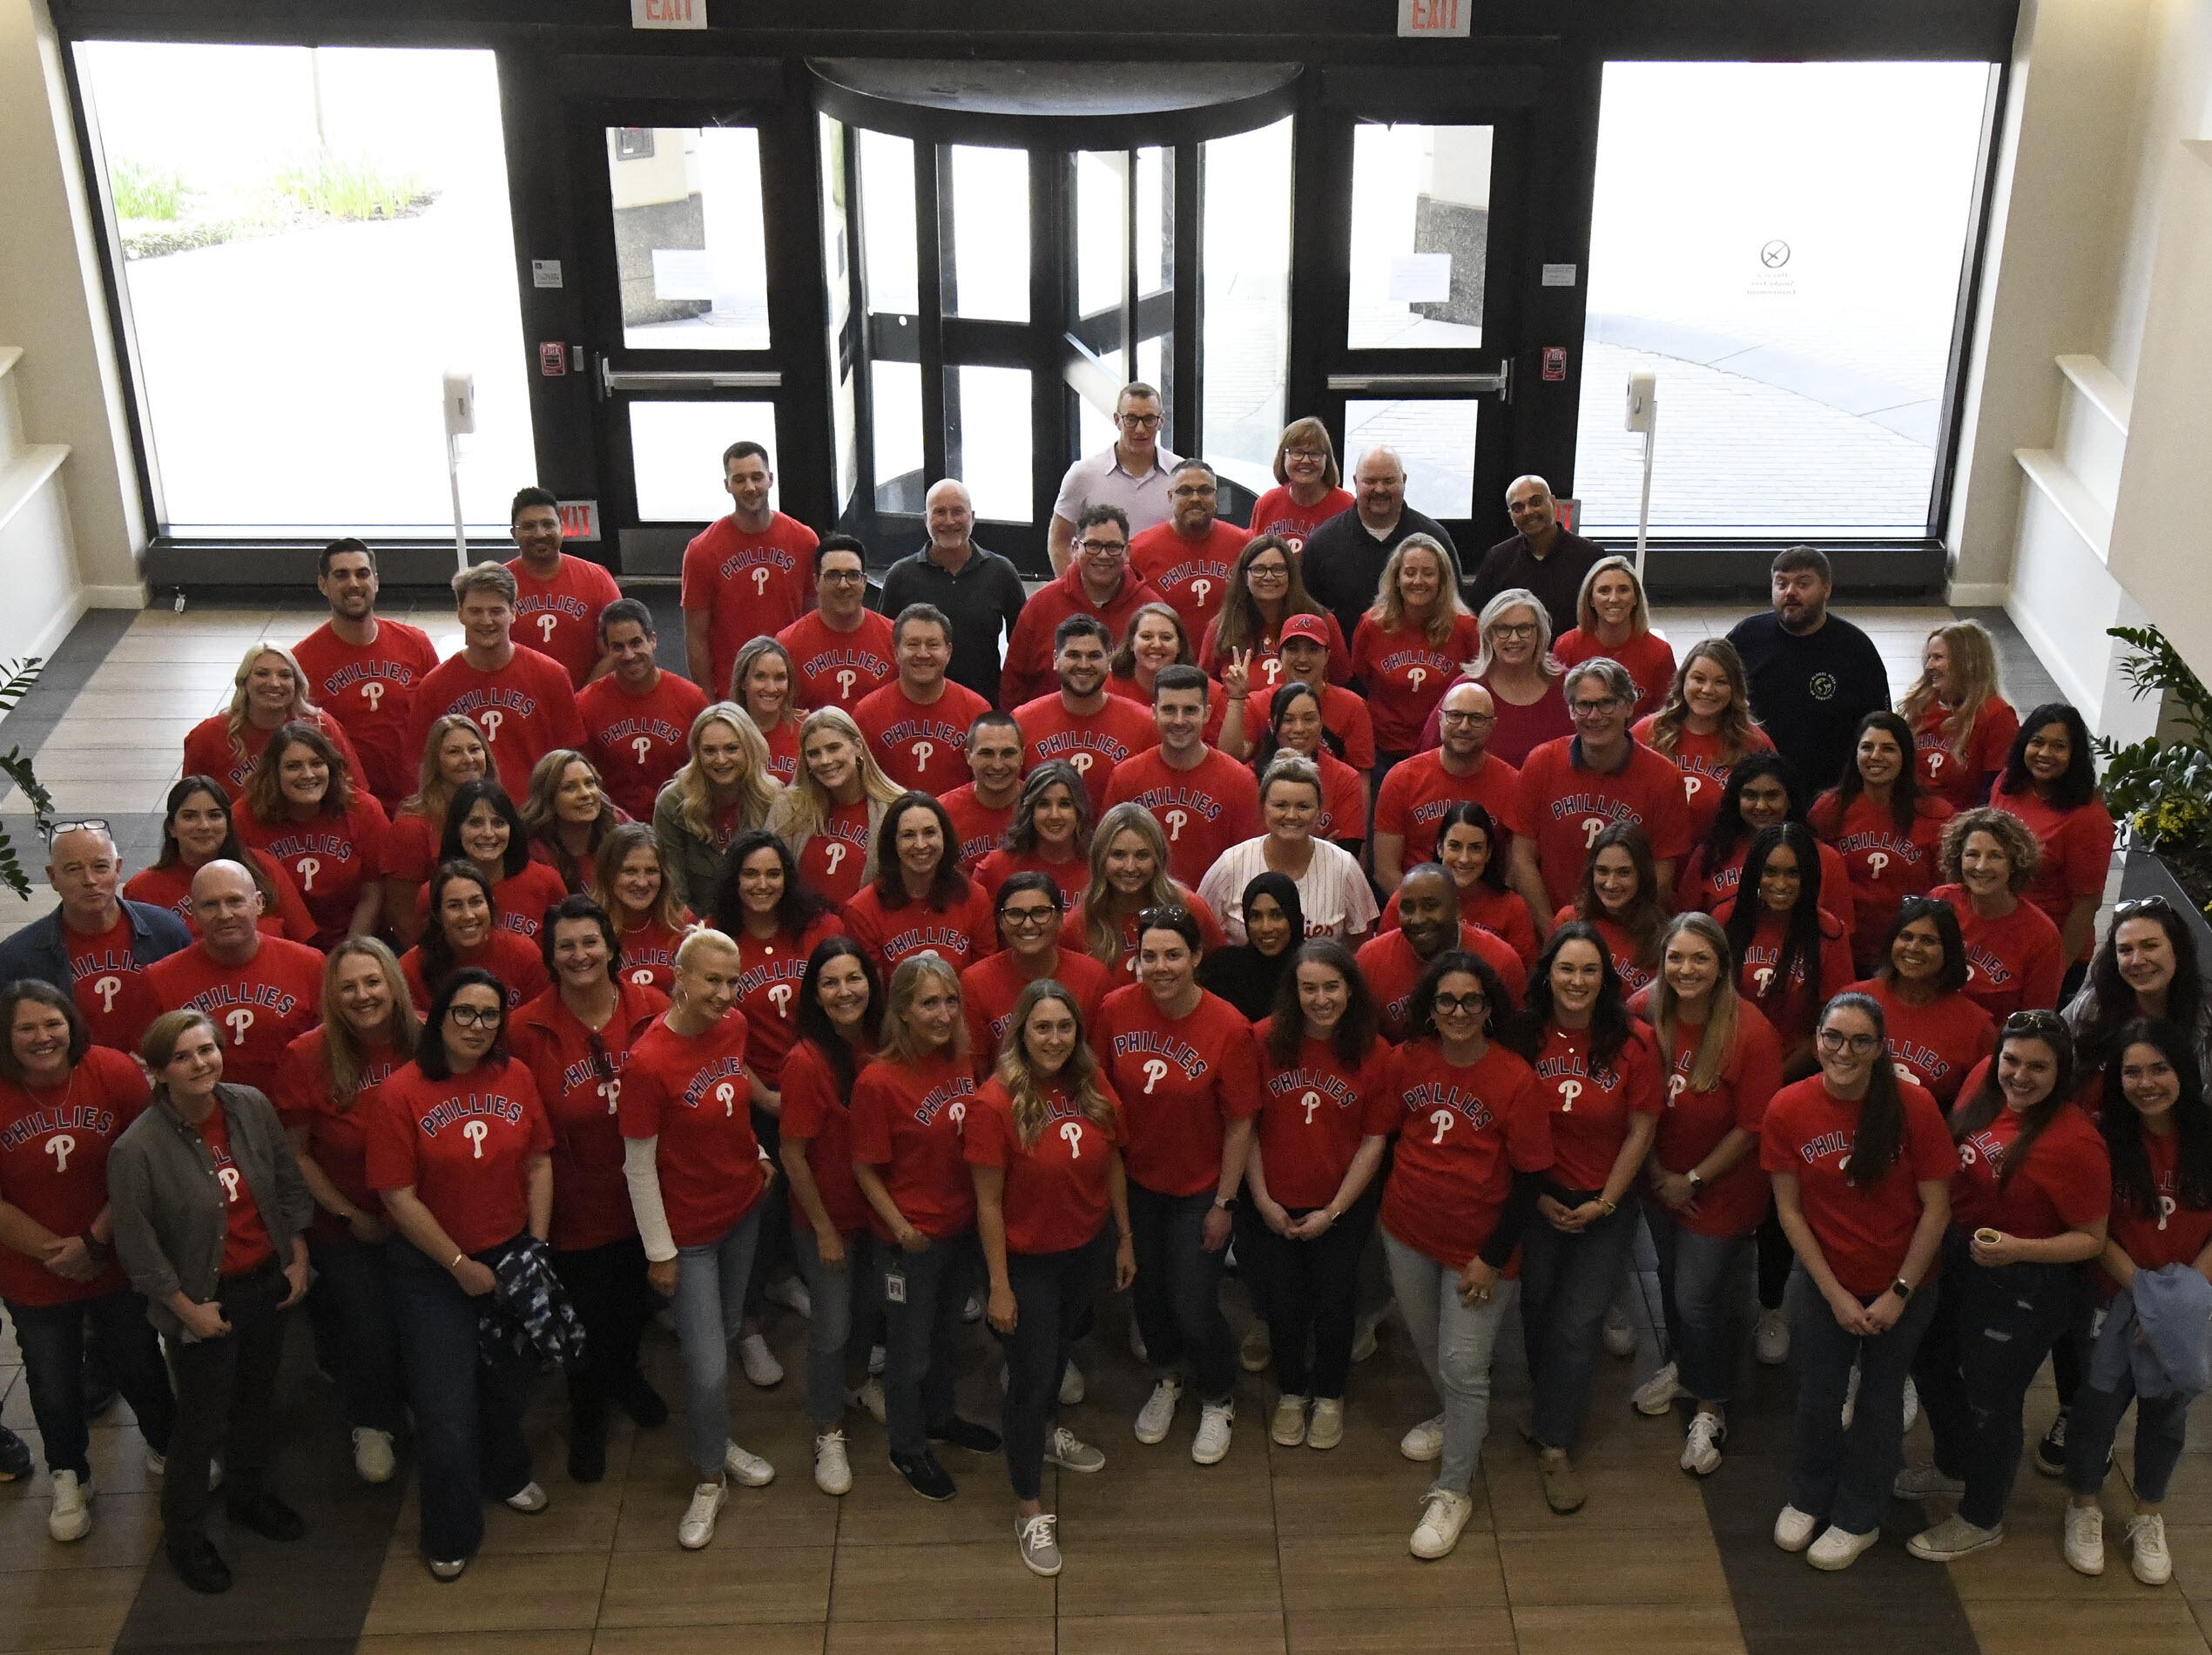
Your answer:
<point x="1133" y="475"/>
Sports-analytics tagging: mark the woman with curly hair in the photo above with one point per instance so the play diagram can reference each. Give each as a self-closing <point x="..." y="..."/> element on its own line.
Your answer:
<point x="1962" y="726"/>
<point x="569" y="814"/>
<point x="1988" y="858"/>
<point x="724" y="788"/>
<point x="1704" y="724"/>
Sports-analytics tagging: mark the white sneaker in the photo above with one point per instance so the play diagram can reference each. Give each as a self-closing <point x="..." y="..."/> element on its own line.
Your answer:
<point x="1326" y="1429"/>
<point x="760" y="1362"/>
<point x="1255" y="1350"/>
<point x="833" y="1470"/>
<point x="2147" y="1553"/>
<point x="529" y="1499"/>
<point x="71" y="1517"/>
<point x="1835" y="1550"/>
<point x="448" y="1568"/>
<point x="1038" y="1543"/>
<point x="1365" y="1341"/>
<point x="1070" y="1453"/>
<point x="698" y="1526"/>
<point x="373" y="1459"/>
<point x="1425" y="1441"/>
<point x="870" y="1396"/>
<point x="749" y="1469"/>
<point x="1137" y="1342"/>
<point x="1925" y="1483"/>
<point x="1656" y="1395"/>
<point x="1071" y="1384"/>
<point x="1211" y="1445"/>
<point x="1620" y="1332"/>
<point x="1288" y="1426"/>
<point x="972" y="1312"/>
<point x="1701" y="1449"/>
<point x="1911" y="1402"/>
<point x="1794" y="1529"/>
<point x="1851" y="1397"/>
<point x="1771" y="1340"/>
<point x="1443" y="1515"/>
<point x="1158" y="1412"/>
<point x="2085" y="1539"/>
<point x="791" y="1292"/>
<point x="877" y="1357"/>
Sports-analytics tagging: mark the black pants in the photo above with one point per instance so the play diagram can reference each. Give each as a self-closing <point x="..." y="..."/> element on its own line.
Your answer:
<point x="1178" y="1292"/>
<point x="357" y="1340"/>
<point x="226" y="1390"/>
<point x="1052" y="1292"/>
<point x="608" y="1288"/>
<point x="1311" y="1293"/>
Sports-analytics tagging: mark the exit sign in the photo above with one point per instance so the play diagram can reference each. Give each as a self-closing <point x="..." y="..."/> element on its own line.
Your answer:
<point x="668" y="14"/>
<point x="1447" y="18"/>
<point x="579" y="519"/>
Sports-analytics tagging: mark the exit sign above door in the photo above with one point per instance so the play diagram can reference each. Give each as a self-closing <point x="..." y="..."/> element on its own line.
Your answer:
<point x="1434" y="17"/>
<point x="671" y="14"/>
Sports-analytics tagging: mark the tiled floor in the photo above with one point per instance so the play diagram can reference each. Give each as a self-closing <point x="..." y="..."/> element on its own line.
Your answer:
<point x="1273" y="1550"/>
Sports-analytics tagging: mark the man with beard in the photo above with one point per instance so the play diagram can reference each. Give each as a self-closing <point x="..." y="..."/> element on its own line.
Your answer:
<point x="363" y="670"/>
<point x="1079" y="722"/>
<point x="1188" y="558"/>
<point x="1541" y="556"/>
<point x="1812" y="675"/>
<point x="1428" y="923"/>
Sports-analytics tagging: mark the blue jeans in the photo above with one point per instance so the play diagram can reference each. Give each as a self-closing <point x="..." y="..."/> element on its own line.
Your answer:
<point x="922" y="1294"/>
<point x="1845" y="1475"/>
<point x="357" y="1340"/>
<point x="1176" y="1296"/>
<point x="835" y="1343"/>
<point x="1703" y="1282"/>
<point x="1456" y="1343"/>
<point x="52" y="1338"/>
<point x="1566" y="1285"/>
<point x="2162" y="1431"/>
<point x="1052" y="1293"/>
<point x="711" y="1280"/>
<point x="467" y="1411"/>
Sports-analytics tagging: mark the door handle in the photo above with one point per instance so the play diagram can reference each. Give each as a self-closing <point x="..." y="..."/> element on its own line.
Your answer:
<point x="678" y="379"/>
<point x="1497" y="383"/>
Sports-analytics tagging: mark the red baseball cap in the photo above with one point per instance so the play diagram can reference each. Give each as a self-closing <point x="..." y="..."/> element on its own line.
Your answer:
<point x="1312" y="628"/>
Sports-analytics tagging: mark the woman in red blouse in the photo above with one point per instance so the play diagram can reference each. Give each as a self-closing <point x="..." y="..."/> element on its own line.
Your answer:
<point x="1884" y="828"/>
<point x="569" y="814"/>
<point x="465" y="931"/>
<point x="1043" y="1147"/>
<point x="460" y="1150"/>
<point x="302" y="807"/>
<point x="919" y="899"/>
<point x="1050" y="833"/>
<point x="1988" y="859"/>
<point x="328" y="1091"/>
<point x="1790" y="951"/>
<point x="1962" y="726"/>
<point x="1704" y="724"/>
<point x="453" y="752"/>
<point x="2050" y="783"/>
<point x="1407" y="650"/>
<point x="484" y="829"/>
<point x="631" y="884"/>
<point x="270" y="691"/>
<point x="2028" y="1204"/>
<point x="1704" y="1196"/>
<point x="1620" y="901"/>
<point x="1936" y="1035"/>
<point x="575" y="1039"/>
<point x="1128" y="873"/>
<point x="1613" y="618"/>
<point x="197" y="829"/>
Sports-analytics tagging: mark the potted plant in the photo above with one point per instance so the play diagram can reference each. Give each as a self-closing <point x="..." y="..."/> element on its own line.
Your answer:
<point x="2160" y="789"/>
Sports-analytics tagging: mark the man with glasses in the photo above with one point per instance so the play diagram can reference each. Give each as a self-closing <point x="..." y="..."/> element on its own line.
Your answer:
<point x="1188" y="557"/>
<point x="363" y="670"/>
<point x="745" y="574"/>
<point x="1099" y="584"/>
<point x="980" y="591"/>
<point x="96" y="946"/>
<point x="1202" y="799"/>
<point x="637" y="719"/>
<point x="260" y="992"/>
<point x="1541" y="556"/>
<point x="1343" y="560"/>
<point x="1812" y="675"/>
<point x="983" y="807"/>
<point x="1079" y="723"/>
<point x="1575" y="787"/>
<point x="1132" y="475"/>
<point x="1462" y="769"/>
<point x="558" y="598"/>
<point x="841" y="649"/>
<point x="918" y="723"/>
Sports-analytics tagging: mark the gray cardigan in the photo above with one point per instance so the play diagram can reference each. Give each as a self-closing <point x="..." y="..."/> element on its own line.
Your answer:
<point x="168" y="1205"/>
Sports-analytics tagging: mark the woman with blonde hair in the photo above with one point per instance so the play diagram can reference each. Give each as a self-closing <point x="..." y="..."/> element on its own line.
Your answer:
<point x="269" y="691"/>
<point x="1704" y="724"/>
<point x="453" y="753"/>
<point x="1408" y="649"/>
<point x="1613" y="618"/>
<point x="762" y="681"/>
<point x="1962" y="726"/>
<point x="1515" y="663"/>
<point x="1265" y="589"/>
<point x="630" y="880"/>
<point x="722" y="790"/>
<point x="1309" y="485"/>
<point x="829" y="815"/>
<point x="569" y="814"/>
<point x="1128" y="873"/>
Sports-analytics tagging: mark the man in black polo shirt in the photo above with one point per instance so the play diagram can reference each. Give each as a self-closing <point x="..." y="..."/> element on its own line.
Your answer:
<point x="1343" y="558"/>
<point x="980" y="591"/>
<point x="1813" y="675"/>
<point x="1543" y="558"/>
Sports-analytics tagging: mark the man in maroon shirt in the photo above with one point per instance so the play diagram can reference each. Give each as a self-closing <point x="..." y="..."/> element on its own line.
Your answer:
<point x="1080" y="722"/>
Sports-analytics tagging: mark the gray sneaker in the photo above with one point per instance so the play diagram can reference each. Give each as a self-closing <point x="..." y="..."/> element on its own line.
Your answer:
<point x="1070" y="1453"/>
<point x="1038" y="1543"/>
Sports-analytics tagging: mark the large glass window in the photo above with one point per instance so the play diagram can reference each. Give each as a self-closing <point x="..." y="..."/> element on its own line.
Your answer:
<point x="1781" y="244"/>
<point x="1421" y="236"/>
<point x="310" y="238"/>
<point x="1244" y="337"/>
<point x="989" y="229"/>
<point x="688" y="246"/>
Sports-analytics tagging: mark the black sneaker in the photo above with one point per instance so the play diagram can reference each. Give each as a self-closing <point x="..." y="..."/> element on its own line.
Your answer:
<point x="266" y="1515"/>
<point x="966" y="1434"/>
<point x="641" y="1401"/>
<point x="925" y="1477"/>
<point x="200" y="1566"/>
<point x="15" y="1456"/>
<point x="2050" y="1453"/>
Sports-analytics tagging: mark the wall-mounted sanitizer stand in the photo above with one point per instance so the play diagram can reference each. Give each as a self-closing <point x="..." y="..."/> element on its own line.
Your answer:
<point x="460" y="420"/>
<point x="1643" y="415"/>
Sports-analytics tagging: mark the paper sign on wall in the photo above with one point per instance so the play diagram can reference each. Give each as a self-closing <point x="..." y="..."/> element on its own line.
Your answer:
<point x="1444" y="18"/>
<point x="545" y="273"/>
<point x="1420" y="278"/>
<point x="682" y="273"/>
<point x="668" y="14"/>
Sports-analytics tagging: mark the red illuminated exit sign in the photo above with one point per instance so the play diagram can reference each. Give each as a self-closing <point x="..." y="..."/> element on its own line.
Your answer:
<point x="1444" y="18"/>
<point x="579" y="519"/>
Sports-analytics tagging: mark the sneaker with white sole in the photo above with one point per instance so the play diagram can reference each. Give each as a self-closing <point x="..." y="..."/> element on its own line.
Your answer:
<point x="791" y="1292"/>
<point x="1794" y="1529"/>
<point x="1366" y="1338"/>
<point x="1325" y="1428"/>
<point x="1925" y="1483"/>
<point x="2084" y="1547"/>
<point x="1039" y="1543"/>
<point x="1158" y="1412"/>
<point x="71" y="1518"/>
<point x="448" y="1569"/>
<point x="1443" y="1515"/>
<point x="877" y="1357"/>
<point x="529" y="1499"/>
<point x="2146" y="1555"/>
<point x="698" y="1525"/>
<point x="762" y="1370"/>
<point x="1072" y="1389"/>
<point x="1701" y="1449"/>
<point x="1656" y="1395"/>
<point x="1211" y="1445"/>
<point x="1771" y="1340"/>
<point x="832" y="1470"/>
<point x="1620" y="1332"/>
<point x="373" y="1458"/>
<point x="1255" y="1350"/>
<point x="1424" y="1442"/>
<point x="1911" y="1402"/>
<point x="870" y="1396"/>
<point x="1953" y="1537"/>
<point x="1070" y="1453"/>
<point x="1288" y="1425"/>
<point x="1838" y="1550"/>
<point x="749" y="1469"/>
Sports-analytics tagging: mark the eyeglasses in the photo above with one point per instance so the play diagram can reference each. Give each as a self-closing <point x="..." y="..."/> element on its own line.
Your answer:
<point x="1104" y="545"/>
<point x="841" y="577"/>
<point x="474" y="1016"/>
<point x="1448" y="1004"/>
<point x="1304" y="454"/>
<point x="1142" y="421"/>
<point x="1269" y="572"/>
<point x="1836" y="1040"/>
<point x="1044" y="915"/>
<point x="1592" y="709"/>
<point x="1193" y="491"/>
<point x="1470" y="718"/>
<point x="82" y="824"/>
<point x="1514" y="629"/>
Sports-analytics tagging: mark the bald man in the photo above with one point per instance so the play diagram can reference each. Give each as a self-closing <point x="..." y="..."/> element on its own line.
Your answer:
<point x="94" y="946"/>
<point x="1460" y="768"/>
<point x="1343" y="558"/>
<point x="1542" y="556"/>
<point x="261" y="991"/>
<point x="979" y="591"/>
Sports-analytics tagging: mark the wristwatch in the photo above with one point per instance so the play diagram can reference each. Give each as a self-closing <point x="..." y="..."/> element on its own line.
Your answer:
<point x="1902" y="1288"/>
<point x="1225" y="1203"/>
<point x="1697" y="1181"/>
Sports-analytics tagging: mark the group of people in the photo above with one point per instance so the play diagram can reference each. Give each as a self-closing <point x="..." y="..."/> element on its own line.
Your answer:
<point x="1427" y="968"/>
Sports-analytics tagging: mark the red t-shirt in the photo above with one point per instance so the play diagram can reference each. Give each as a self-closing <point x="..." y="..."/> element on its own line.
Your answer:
<point x="1958" y="782"/>
<point x="769" y="974"/>
<point x="1795" y="1008"/>
<point x="2065" y="1183"/>
<point x="636" y="742"/>
<point x="1563" y="805"/>
<point x="1936" y="1045"/>
<point x="369" y="689"/>
<point x="560" y="617"/>
<point x="109" y="985"/>
<point x="524" y="709"/>
<point x="1407" y="675"/>
<point x="989" y="989"/>
<point x="834" y="860"/>
<point x="1590" y="1106"/>
<point x="782" y="738"/>
<point x="1192" y="576"/>
<point x="258" y="1008"/>
<point x="649" y="953"/>
<point x="464" y="1145"/>
<point x="1704" y="765"/>
<point x="1071" y="876"/>
<point x="1809" y="1132"/>
<point x="747" y="584"/>
<point x="1884" y="866"/>
<point x="2077" y="853"/>
<point x="1503" y="914"/>
<point x="337" y="1137"/>
<point x="815" y="1109"/>
<point x="1393" y="971"/>
<point x="693" y="1094"/>
<point x="210" y="752"/>
<point x="171" y="887"/>
<point x="1416" y="794"/>
<point x="1180" y="1081"/>
<point x="1694" y="1122"/>
<point x="1028" y="671"/>
<point x="980" y="828"/>
<point x="921" y="746"/>
<point x="1629" y="964"/>
<point x="411" y="848"/>
<point x="2013" y="963"/>
<point x="1649" y="659"/>
<point x="1075" y="930"/>
<point x="1201" y="811"/>
<point x="1344" y="800"/>
<point x="1463" y="1131"/>
<point x="1056" y="1195"/>
<point x="246" y="1237"/>
<point x="54" y="1144"/>
<point x="1278" y="512"/>
<point x="1344" y="714"/>
<point x="840" y="669"/>
<point x="507" y="957"/>
<point x="907" y="1123"/>
<point x="1706" y="889"/>
<point x="2174" y="1233"/>
<point x="581" y="1089"/>
<point x="1314" y="1114"/>
<point x="1094" y="742"/>
<point x="330" y="858"/>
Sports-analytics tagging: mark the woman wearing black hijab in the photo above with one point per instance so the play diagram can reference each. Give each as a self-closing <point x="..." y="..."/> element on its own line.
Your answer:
<point x="1246" y="975"/>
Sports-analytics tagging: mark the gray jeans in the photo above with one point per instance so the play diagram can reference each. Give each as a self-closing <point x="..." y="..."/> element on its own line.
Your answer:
<point x="832" y="1332"/>
<point x="1454" y="1342"/>
<point x="710" y="1309"/>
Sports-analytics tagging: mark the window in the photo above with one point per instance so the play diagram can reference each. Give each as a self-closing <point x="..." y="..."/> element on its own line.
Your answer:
<point x="1244" y="337"/>
<point x="688" y="246"/>
<point x="309" y="238"/>
<point x="1781" y="244"/>
<point x="1421" y="236"/>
